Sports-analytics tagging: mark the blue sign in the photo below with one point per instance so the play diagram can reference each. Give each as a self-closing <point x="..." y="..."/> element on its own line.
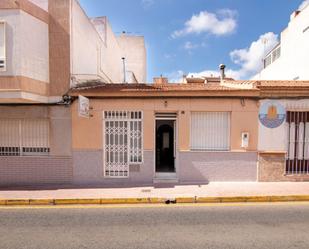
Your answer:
<point x="272" y="114"/>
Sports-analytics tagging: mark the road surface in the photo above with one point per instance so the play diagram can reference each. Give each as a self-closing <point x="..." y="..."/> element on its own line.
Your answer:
<point x="280" y="225"/>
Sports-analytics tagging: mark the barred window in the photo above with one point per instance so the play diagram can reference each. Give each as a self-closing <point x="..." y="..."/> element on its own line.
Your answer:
<point x="210" y="131"/>
<point x="297" y="158"/>
<point x="24" y="137"/>
<point x="123" y="142"/>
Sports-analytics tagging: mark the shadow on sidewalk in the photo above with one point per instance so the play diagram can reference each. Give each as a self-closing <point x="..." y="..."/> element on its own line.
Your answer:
<point x="95" y="186"/>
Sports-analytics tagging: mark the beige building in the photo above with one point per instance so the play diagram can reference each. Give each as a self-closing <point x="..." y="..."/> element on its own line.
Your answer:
<point x="284" y="149"/>
<point x="195" y="132"/>
<point x="181" y="133"/>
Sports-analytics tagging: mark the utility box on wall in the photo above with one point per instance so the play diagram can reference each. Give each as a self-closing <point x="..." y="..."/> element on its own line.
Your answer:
<point x="245" y="140"/>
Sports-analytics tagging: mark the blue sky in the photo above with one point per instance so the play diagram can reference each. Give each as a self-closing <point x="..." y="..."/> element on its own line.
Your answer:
<point x="195" y="36"/>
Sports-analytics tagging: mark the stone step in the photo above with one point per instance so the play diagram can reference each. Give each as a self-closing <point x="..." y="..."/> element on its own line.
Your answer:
<point x="165" y="178"/>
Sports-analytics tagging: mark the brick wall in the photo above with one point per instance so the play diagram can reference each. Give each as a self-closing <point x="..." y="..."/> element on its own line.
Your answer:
<point x="272" y="169"/>
<point x="35" y="170"/>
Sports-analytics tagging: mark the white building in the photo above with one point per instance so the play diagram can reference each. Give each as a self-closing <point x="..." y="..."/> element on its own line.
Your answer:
<point x="289" y="59"/>
<point x="47" y="46"/>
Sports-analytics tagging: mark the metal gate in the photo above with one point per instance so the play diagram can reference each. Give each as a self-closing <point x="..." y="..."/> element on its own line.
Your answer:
<point x="297" y="160"/>
<point x="123" y="142"/>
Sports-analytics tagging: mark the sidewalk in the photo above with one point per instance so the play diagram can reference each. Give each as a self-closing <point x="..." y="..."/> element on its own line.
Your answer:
<point x="189" y="192"/>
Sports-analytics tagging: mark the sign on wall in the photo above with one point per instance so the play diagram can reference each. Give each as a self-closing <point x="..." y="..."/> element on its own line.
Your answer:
<point x="83" y="106"/>
<point x="272" y="114"/>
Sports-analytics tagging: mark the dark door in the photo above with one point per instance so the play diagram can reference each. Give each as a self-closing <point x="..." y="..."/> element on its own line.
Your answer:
<point x="165" y="160"/>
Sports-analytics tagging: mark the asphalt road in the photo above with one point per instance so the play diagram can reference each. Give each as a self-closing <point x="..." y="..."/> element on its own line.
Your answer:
<point x="218" y="226"/>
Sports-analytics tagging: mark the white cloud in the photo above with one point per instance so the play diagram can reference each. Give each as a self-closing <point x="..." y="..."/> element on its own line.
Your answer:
<point x="303" y="4"/>
<point x="177" y="76"/>
<point x="206" y="73"/>
<point x="221" y="23"/>
<point x="189" y="45"/>
<point x="147" y="3"/>
<point x="250" y="59"/>
<point x="215" y="73"/>
<point x="169" y="56"/>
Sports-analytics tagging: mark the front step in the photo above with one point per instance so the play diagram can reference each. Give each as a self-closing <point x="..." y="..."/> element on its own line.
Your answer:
<point x="165" y="178"/>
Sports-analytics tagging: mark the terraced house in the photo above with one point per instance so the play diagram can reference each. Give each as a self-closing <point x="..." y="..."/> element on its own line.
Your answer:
<point x="193" y="132"/>
<point x="200" y="130"/>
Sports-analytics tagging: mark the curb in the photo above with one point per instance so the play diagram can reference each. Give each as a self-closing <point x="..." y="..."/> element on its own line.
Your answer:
<point x="188" y="200"/>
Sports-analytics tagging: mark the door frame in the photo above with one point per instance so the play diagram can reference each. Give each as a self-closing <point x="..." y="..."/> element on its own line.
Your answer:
<point x="175" y="119"/>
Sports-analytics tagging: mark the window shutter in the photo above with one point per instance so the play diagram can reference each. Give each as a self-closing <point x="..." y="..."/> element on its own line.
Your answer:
<point x="210" y="131"/>
<point x="24" y="137"/>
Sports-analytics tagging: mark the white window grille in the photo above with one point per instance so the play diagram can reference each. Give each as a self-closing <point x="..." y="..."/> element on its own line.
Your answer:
<point x="2" y="47"/>
<point x="123" y="142"/>
<point x="24" y="137"/>
<point x="210" y="131"/>
<point x="297" y="159"/>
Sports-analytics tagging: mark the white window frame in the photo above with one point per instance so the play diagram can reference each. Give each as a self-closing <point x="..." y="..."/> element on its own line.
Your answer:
<point x="3" y="69"/>
<point x="272" y="56"/>
<point x="267" y="61"/>
<point x="133" y="134"/>
<point x="276" y="54"/>
<point x="25" y="140"/>
<point x="227" y="148"/>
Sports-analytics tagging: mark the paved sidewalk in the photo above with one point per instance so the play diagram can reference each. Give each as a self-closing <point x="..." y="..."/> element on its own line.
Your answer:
<point x="213" y="189"/>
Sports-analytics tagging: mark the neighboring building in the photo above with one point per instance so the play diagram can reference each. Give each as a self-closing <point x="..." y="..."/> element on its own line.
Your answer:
<point x="47" y="47"/>
<point x="43" y="52"/>
<point x="284" y="148"/>
<point x="283" y="133"/>
<point x="289" y="59"/>
<point x="135" y="53"/>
